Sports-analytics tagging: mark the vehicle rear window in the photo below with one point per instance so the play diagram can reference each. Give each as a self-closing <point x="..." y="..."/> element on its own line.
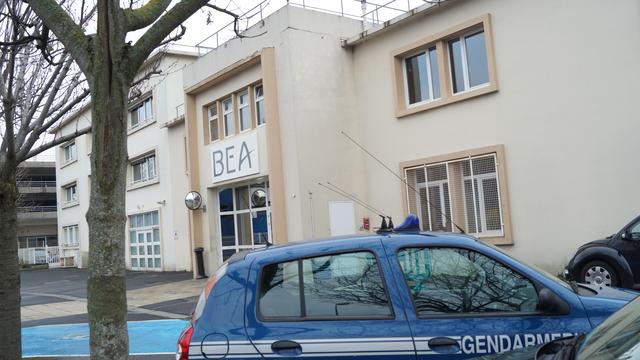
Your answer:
<point x="347" y="285"/>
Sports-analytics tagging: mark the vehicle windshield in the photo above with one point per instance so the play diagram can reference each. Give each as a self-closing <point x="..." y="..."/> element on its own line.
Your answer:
<point x="541" y="271"/>
<point x="618" y="337"/>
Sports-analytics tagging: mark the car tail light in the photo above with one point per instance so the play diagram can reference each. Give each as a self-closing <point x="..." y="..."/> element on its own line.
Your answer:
<point x="183" y="343"/>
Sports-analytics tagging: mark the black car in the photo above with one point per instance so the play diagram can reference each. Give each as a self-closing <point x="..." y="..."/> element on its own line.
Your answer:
<point x="614" y="261"/>
<point x="618" y="337"/>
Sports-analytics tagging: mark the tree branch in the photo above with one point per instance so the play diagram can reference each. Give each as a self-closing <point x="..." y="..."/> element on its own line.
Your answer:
<point x="160" y="30"/>
<point x="70" y="34"/>
<point x="35" y="134"/>
<point x="137" y="19"/>
<point x="55" y="142"/>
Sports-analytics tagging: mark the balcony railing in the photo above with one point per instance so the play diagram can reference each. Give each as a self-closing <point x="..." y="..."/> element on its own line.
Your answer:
<point x="369" y="13"/>
<point x="36" y="209"/>
<point x="37" y="183"/>
<point x="39" y="255"/>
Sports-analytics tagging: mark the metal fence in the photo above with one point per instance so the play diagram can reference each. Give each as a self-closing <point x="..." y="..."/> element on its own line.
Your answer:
<point x="39" y="255"/>
<point x="36" y="209"/>
<point x="369" y="13"/>
<point x="37" y="183"/>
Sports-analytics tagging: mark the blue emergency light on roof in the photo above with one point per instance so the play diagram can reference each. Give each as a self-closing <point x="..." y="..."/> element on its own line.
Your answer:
<point x="410" y="223"/>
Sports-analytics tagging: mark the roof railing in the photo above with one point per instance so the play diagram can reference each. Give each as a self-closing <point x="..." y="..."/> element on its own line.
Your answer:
<point x="370" y="14"/>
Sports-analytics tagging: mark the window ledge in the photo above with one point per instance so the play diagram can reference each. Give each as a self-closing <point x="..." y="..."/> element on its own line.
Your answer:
<point x="140" y="127"/>
<point x="491" y="88"/>
<point x="70" y="204"/>
<point x="134" y="186"/>
<point x="67" y="163"/>
<point x="497" y="240"/>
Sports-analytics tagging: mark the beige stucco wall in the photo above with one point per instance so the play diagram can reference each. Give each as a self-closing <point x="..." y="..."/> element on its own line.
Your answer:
<point x="565" y="112"/>
<point x="313" y="86"/>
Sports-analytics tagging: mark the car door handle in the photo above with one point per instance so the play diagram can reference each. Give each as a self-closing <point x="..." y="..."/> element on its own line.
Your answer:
<point x="286" y="346"/>
<point x="444" y="344"/>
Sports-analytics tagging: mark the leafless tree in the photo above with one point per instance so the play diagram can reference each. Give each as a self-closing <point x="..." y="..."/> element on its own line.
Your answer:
<point x="110" y="64"/>
<point x="39" y="85"/>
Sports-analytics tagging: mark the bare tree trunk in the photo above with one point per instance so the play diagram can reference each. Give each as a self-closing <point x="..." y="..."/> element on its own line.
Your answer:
<point x="10" y="346"/>
<point x="107" y="301"/>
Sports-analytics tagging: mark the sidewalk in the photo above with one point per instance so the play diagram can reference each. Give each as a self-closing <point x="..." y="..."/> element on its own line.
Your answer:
<point x="58" y="296"/>
<point x="54" y="312"/>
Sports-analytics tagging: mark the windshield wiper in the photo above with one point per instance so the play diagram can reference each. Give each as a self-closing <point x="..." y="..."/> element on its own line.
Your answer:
<point x="573" y="284"/>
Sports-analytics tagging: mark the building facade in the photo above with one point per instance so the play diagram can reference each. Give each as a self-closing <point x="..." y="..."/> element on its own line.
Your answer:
<point x="37" y="215"/>
<point x="501" y="119"/>
<point x="157" y="220"/>
<point x="489" y="133"/>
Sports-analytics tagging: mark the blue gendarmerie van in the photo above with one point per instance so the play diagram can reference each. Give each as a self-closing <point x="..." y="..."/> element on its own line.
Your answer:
<point x="390" y="295"/>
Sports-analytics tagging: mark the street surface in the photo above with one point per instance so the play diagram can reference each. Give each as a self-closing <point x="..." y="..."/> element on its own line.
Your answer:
<point x="54" y="314"/>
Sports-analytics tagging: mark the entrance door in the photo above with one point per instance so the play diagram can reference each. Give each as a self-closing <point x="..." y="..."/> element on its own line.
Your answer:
<point x="145" y="255"/>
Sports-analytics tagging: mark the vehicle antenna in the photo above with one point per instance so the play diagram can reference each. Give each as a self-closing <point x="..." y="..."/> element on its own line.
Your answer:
<point x="384" y="226"/>
<point x="336" y="187"/>
<point x="401" y="179"/>
<point x="337" y="190"/>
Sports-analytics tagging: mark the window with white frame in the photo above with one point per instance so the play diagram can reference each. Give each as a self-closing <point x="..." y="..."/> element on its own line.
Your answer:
<point x="70" y="193"/>
<point x="141" y="113"/>
<point x="245" y="214"/>
<point x="468" y="62"/>
<point x="144" y="241"/>
<point x="259" y="99"/>
<point x="244" y="112"/>
<point x="213" y="122"/>
<point x="143" y="169"/>
<point x="69" y="151"/>
<point x="464" y="191"/>
<point x="70" y="234"/>
<point x="422" y="80"/>
<point x="227" y="115"/>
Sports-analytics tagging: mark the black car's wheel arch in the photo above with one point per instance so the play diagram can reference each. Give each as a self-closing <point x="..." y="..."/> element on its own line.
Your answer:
<point x="607" y="255"/>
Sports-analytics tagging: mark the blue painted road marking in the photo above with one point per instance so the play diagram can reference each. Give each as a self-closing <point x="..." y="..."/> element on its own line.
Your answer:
<point x="145" y="337"/>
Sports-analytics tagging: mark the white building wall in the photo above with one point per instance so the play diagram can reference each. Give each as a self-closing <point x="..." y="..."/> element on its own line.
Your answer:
<point x="78" y="171"/>
<point x="164" y="195"/>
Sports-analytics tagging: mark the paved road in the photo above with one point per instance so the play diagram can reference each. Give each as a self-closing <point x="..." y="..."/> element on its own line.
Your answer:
<point x="54" y="312"/>
<point x="58" y="296"/>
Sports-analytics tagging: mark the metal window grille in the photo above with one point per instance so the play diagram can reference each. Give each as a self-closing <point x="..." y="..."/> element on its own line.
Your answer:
<point x="465" y="191"/>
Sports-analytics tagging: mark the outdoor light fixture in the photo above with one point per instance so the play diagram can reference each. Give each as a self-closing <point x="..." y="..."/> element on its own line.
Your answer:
<point x="193" y="200"/>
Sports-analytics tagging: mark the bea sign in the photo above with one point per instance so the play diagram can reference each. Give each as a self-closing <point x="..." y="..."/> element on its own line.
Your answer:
<point x="235" y="157"/>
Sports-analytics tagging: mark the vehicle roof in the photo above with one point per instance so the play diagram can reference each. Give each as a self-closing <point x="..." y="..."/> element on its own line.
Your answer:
<point x="318" y="244"/>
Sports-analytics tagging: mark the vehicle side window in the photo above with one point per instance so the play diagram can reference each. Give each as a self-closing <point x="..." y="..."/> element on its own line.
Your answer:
<point x="460" y="281"/>
<point x="342" y="285"/>
<point x="634" y="230"/>
<point x="280" y="290"/>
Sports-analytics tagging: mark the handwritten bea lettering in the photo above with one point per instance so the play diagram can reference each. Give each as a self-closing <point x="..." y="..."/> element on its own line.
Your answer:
<point x="227" y="161"/>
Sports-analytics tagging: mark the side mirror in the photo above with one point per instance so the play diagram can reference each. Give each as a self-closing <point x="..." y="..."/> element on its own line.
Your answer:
<point x="550" y="303"/>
